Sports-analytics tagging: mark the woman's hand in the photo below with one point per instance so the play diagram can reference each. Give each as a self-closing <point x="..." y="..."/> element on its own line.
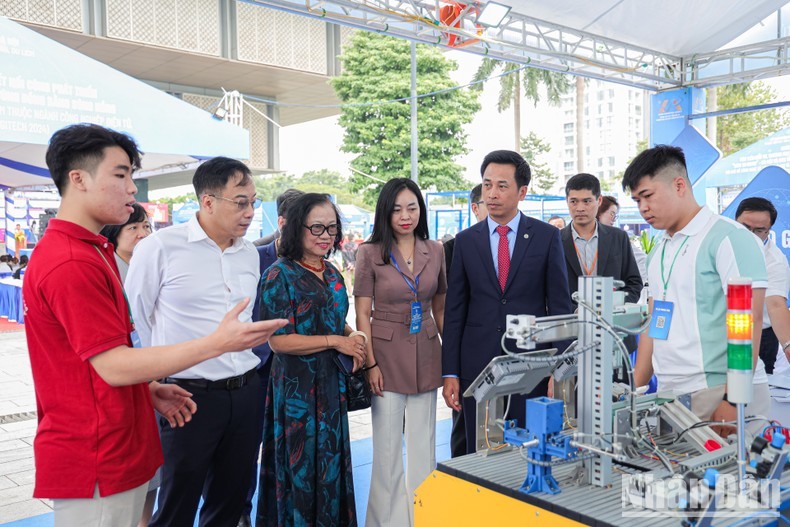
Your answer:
<point x="354" y="347"/>
<point x="376" y="381"/>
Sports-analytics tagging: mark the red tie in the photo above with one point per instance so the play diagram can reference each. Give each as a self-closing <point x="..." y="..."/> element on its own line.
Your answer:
<point x="503" y="255"/>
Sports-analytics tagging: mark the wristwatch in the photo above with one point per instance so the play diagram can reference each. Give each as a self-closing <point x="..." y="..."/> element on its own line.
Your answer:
<point x="727" y="400"/>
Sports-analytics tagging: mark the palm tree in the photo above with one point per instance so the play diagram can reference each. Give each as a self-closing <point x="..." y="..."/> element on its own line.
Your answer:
<point x="530" y="79"/>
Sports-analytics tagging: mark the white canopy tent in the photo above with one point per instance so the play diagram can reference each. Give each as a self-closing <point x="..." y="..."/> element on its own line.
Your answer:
<point x="674" y="27"/>
<point x="45" y="86"/>
<point x="652" y="45"/>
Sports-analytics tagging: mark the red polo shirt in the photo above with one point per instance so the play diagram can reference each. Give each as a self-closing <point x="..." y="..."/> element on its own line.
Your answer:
<point x="88" y="431"/>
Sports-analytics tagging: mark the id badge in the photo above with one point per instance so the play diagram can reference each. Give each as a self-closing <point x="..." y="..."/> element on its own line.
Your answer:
<point x="135" y="339"/>
<point x="416" y="317"/>
<point x="661" y="319"/>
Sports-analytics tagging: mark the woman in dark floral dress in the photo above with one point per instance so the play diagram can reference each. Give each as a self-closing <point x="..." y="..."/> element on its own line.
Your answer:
<point x="306" y="477"/>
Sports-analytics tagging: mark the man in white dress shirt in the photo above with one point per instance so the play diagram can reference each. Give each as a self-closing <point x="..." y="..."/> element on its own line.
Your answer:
<point x="181" y="282"/>
<point x="759" y="215"/>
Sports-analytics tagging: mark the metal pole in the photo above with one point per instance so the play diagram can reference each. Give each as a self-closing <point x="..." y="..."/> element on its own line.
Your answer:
<point x="741" y="453"/>
<point x="414" y="112"/>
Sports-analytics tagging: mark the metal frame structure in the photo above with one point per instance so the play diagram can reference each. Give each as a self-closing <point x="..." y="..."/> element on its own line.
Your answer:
<point x="540" y="44"/>
<point x="595" y="374"/>
<point x="595" y="361"/>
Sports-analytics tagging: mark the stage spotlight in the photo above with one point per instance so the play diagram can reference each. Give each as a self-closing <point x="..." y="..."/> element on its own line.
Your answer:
<point x="220" y="113"/>
<point x="492" y="14"/>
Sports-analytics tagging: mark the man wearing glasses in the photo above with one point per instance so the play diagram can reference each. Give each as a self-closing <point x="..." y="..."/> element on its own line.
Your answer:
<point x="759" y="215"/>
<point x="180" y="283"/>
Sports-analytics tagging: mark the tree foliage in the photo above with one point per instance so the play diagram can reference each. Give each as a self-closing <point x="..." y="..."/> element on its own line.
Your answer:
<point x="532" y="148"/>
<point x="617" y="182"/>
<point x="528" y="79"/>
<point x="377" y="68"/>
<point x="177" y="199"/>
<point x="321" y="181"/>
<point x="737" y="131"/>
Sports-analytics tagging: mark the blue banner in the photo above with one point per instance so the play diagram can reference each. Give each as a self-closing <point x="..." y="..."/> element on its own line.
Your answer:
<point x="45" y="86"/>
<point x="669" y="111"/>
<point x="773" y="184"/>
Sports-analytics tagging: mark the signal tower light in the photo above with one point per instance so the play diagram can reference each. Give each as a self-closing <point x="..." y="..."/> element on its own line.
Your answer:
<point x="739" y="340"/>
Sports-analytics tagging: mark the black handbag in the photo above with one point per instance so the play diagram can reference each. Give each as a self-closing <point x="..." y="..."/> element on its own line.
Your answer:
<point x="358" y="392"/>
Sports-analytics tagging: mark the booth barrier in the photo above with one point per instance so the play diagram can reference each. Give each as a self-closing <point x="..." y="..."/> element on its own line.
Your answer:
<point x="11" y="300"/>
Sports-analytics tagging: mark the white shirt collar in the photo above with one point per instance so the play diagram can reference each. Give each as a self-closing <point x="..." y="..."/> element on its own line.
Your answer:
<point x="577" y="235"/>
<point x="196" y="234"/>
<point x="696" y="224"/>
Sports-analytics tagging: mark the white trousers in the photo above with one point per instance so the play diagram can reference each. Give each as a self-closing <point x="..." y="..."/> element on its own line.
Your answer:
<point x="704" y="402"/>
<point x="117" y="510"/>
<point x="391" y="500"/>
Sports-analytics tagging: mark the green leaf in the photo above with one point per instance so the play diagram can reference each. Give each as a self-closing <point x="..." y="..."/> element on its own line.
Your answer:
<point x="378" y="68"/>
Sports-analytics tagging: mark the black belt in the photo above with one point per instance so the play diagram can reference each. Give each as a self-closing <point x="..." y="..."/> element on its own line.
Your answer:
<point x="231" y="383"/>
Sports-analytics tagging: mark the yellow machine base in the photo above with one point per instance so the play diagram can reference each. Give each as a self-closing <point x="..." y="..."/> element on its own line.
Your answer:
<point x="446" y="500"/>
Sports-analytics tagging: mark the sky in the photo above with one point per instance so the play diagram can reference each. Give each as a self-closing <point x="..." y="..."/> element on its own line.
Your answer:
<point x="490" y="130"/>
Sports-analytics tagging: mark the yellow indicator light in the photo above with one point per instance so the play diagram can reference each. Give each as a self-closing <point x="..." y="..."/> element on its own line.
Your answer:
<point x="739" y="326"/>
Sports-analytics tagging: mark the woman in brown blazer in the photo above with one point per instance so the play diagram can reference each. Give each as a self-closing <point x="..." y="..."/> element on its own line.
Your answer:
<point x="399" y="291"/>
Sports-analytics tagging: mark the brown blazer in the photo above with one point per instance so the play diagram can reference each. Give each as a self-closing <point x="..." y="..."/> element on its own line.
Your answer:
<point x="409" y="363"/>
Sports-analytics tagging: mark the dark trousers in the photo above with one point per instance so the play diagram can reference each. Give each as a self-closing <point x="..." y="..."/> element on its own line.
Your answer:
<point x="458" y="435"/>
<point x="263" y="374"/>
<point x="211" y="456"/>
<point x="769" y="345"/>
<point x="518" y="410"/>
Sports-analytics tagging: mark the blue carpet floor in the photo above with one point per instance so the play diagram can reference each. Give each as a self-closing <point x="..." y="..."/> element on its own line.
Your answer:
<point x="362" y="458"/>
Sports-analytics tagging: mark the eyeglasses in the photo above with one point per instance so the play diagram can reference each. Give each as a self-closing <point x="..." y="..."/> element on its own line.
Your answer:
<point x="241" y="203"/>
<point x="759" y="231"/>
<point x="478" y="203"/>
<point x="317" y="229"/>
<point x="613" y="214"/>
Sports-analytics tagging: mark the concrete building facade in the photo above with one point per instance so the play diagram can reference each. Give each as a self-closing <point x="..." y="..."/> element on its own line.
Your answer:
<point x="193" y="49"/>
<point x="615" y="120"/>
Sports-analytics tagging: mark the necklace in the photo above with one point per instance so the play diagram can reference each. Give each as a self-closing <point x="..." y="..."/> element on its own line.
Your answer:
<point x="410" y="257"/>
<point x="319" y="269"/>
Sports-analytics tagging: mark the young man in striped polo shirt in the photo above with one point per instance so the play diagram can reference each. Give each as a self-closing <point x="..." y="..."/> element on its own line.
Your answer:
<point x="688" y="271"/>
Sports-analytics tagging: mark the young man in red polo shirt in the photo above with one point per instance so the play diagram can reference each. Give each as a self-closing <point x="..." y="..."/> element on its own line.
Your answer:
<point x="97" y="443"/>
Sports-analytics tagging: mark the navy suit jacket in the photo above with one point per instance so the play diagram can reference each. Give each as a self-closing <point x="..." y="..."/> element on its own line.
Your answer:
<point x="476" y="308"/>
<point x="267" y="255"/>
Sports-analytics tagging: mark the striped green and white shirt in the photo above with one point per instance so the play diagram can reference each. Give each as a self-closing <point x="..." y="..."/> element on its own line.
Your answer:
<point x="713" y="249"/>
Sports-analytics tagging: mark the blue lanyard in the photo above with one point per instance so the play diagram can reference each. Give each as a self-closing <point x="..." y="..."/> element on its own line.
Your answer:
<point x="406" y="278"/>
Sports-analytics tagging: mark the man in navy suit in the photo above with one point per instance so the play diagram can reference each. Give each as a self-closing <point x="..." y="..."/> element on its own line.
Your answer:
<point x="509" y="264"/>
<point x="268" y="255"/>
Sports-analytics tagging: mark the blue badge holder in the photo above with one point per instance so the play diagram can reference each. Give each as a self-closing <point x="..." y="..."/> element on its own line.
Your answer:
<point x="416" y="318"/>
<point x="661" y="319"/>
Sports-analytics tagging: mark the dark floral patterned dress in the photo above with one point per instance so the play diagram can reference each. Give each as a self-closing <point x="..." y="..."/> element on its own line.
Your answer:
<point x="306" y="477"/>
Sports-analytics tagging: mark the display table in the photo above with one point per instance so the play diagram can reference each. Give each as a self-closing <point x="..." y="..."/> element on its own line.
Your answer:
<point x="477" y="490"/>
<point x="11" y="306"/>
